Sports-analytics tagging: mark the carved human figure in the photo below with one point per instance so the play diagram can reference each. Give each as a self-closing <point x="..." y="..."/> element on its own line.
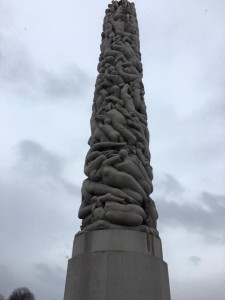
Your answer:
<point x="119" y="176"/>
<point x="97" y="135"/>
<point x="113" y="76"/>
<point x="121" y="180"/>
<point x="101" y="96"/>
<point x="93" y="162"/>
<point x="119" y="123"/>
<point x="137" y="99"/>
<point x="109" y="131"/>
<point x="128" y="52"/>
<point x="127" y="165"/>
<point x="127" y="73"/>
<point x="90" y="188"/>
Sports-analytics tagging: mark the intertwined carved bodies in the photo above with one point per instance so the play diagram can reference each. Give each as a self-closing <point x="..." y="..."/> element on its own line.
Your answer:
<point x="116" y="192"/>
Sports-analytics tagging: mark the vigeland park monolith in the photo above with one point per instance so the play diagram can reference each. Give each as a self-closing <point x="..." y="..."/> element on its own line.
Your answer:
<point x="117" y="255"/>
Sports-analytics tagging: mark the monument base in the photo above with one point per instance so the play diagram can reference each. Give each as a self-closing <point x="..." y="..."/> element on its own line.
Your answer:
<point x="117" y="265"/>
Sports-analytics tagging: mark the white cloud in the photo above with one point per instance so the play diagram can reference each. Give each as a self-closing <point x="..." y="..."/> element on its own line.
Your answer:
<point x="36" y="221"/>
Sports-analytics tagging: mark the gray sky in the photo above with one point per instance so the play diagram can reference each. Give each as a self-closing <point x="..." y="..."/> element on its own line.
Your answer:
<point x="48" y="57"/>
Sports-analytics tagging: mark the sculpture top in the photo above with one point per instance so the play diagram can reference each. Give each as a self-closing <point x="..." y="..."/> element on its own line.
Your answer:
<point x="119" y="176"/>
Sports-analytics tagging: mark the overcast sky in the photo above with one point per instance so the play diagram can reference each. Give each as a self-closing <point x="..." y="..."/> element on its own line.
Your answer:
<point x="48" y="57"/>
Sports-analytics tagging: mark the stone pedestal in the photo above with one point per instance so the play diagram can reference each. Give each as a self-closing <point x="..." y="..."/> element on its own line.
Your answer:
<point x="117" y="265"/>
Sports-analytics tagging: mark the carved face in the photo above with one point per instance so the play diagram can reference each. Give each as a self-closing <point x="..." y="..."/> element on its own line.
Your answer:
<point x="111" y="8"/>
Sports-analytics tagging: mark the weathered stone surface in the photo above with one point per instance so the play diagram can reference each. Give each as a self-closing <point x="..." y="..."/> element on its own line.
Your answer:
<point x="117" y="255"/>
<point x="116" y="264"/>
<point x="117" y="240"/>
<point x="119" y="176"/>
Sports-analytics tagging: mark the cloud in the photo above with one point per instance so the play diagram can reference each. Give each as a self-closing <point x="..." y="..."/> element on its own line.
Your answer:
<point x="36" y="193"/>
<point x="200" y="288"/>
<point x="37" y="224"/>
<point x="7" y="279"/>
<point x="204" y="214"/>
<point x="54" y="273"/>
<point x="46" y="281"/>
<point x="169" y="185"/>
<point x="67" y="84"/>
<point x="37" y="163"/>
<point x="23" y="77"/>
<point x="184" y="78"/>
<point x="195" y="260"/>
<point x="50" y="281"/>
<point x="36" y="219"/>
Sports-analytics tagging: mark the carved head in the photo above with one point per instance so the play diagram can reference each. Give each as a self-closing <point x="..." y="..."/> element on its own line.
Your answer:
<point x="111" y="68"/>
<point x="137" y="86"/>
<point x="111" y="8"/>
<point x="107" y="65"/>
<point x="114" y="72"/>
<point x="123" y="153"/>
<point x="140" y="145"/>
<point x="95" y="175"/>
<point x="108" y="121"/>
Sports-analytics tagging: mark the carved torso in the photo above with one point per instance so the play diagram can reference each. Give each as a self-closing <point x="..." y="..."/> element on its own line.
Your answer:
<point x="116" y="192"/>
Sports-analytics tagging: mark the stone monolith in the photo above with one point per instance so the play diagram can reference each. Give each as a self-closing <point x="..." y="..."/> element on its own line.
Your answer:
<point x="117" y="255"/>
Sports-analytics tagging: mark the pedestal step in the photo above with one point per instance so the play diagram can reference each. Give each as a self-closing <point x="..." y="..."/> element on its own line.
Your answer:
<point x="117" y="265"/>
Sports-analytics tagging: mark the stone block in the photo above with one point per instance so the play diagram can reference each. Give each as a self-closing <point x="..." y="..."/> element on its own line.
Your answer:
<point x="116" y="268"/>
